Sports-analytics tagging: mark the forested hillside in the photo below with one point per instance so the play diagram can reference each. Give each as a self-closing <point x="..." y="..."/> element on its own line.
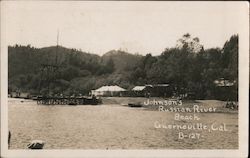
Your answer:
<point x="187" y="67"/>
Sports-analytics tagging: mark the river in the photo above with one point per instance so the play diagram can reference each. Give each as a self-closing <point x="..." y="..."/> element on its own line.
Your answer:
<point x="109" y="127"/>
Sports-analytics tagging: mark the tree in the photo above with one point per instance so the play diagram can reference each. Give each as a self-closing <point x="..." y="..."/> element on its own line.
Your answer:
<point x="110" y="66"/>
<point x="189" y="44"/>
<point x="230" y="57"/>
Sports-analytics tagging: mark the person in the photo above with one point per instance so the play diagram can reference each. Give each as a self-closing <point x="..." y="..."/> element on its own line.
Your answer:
<point x="227" y="104"/>
<point x="9" y="137"/>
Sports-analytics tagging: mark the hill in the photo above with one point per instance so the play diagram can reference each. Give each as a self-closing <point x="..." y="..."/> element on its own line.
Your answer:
<point x="122" y="60"/>
<point x="76" y="67"/>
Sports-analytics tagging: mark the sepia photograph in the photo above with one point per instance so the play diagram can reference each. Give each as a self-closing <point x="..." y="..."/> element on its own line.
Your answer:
<point x="124" y="76"/>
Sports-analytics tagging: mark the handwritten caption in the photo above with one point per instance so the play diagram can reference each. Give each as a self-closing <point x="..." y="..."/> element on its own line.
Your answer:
<point x="187" y="119"/>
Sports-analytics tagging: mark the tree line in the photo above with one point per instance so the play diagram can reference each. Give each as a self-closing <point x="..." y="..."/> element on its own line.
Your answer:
<point x="187" y="67"/>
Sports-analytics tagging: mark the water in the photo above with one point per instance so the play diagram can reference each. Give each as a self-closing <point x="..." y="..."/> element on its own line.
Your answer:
<point x="108" y="127"/>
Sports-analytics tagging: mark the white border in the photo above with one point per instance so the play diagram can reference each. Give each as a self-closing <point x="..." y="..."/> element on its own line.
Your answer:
<point x="243" y="110"/>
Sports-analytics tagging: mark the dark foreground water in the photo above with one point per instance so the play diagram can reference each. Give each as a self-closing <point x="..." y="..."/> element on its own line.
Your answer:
<point x="112" y="127"/>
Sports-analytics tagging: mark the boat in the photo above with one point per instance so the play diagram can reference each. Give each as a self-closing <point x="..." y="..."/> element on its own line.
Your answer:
<point x="135" y="105"/>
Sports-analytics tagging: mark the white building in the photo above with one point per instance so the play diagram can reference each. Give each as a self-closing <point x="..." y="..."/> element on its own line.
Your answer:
<point x="108" y="91"/>
<point x="139" y="88"/>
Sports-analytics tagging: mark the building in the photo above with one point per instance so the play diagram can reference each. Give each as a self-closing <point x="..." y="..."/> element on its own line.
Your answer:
<point x="156" y="90"/>
<point x="20" y="95"/>
<point x="140" y="91"/>
<point x="226" y="90"/>
<point x="160" y="90"/>
<point x="108" y="91"/>
<point x="139" y="88"/>
<point x="224" y="83"/>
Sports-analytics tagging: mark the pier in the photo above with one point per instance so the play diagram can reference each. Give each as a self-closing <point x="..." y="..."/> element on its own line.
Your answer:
<point x="68" y="101"/>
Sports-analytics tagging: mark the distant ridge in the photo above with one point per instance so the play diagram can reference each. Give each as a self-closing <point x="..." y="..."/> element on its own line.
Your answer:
<point x="122" y="59"/>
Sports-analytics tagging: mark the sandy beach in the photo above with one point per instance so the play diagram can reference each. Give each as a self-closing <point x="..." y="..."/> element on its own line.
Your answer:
<point x="114" y="126"/>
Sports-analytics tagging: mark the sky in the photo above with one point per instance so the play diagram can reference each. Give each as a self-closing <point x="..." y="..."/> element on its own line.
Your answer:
<point x="137" y="27"/>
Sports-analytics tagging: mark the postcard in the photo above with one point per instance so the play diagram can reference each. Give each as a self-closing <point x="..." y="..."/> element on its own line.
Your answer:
<point x="124" y="79"/>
